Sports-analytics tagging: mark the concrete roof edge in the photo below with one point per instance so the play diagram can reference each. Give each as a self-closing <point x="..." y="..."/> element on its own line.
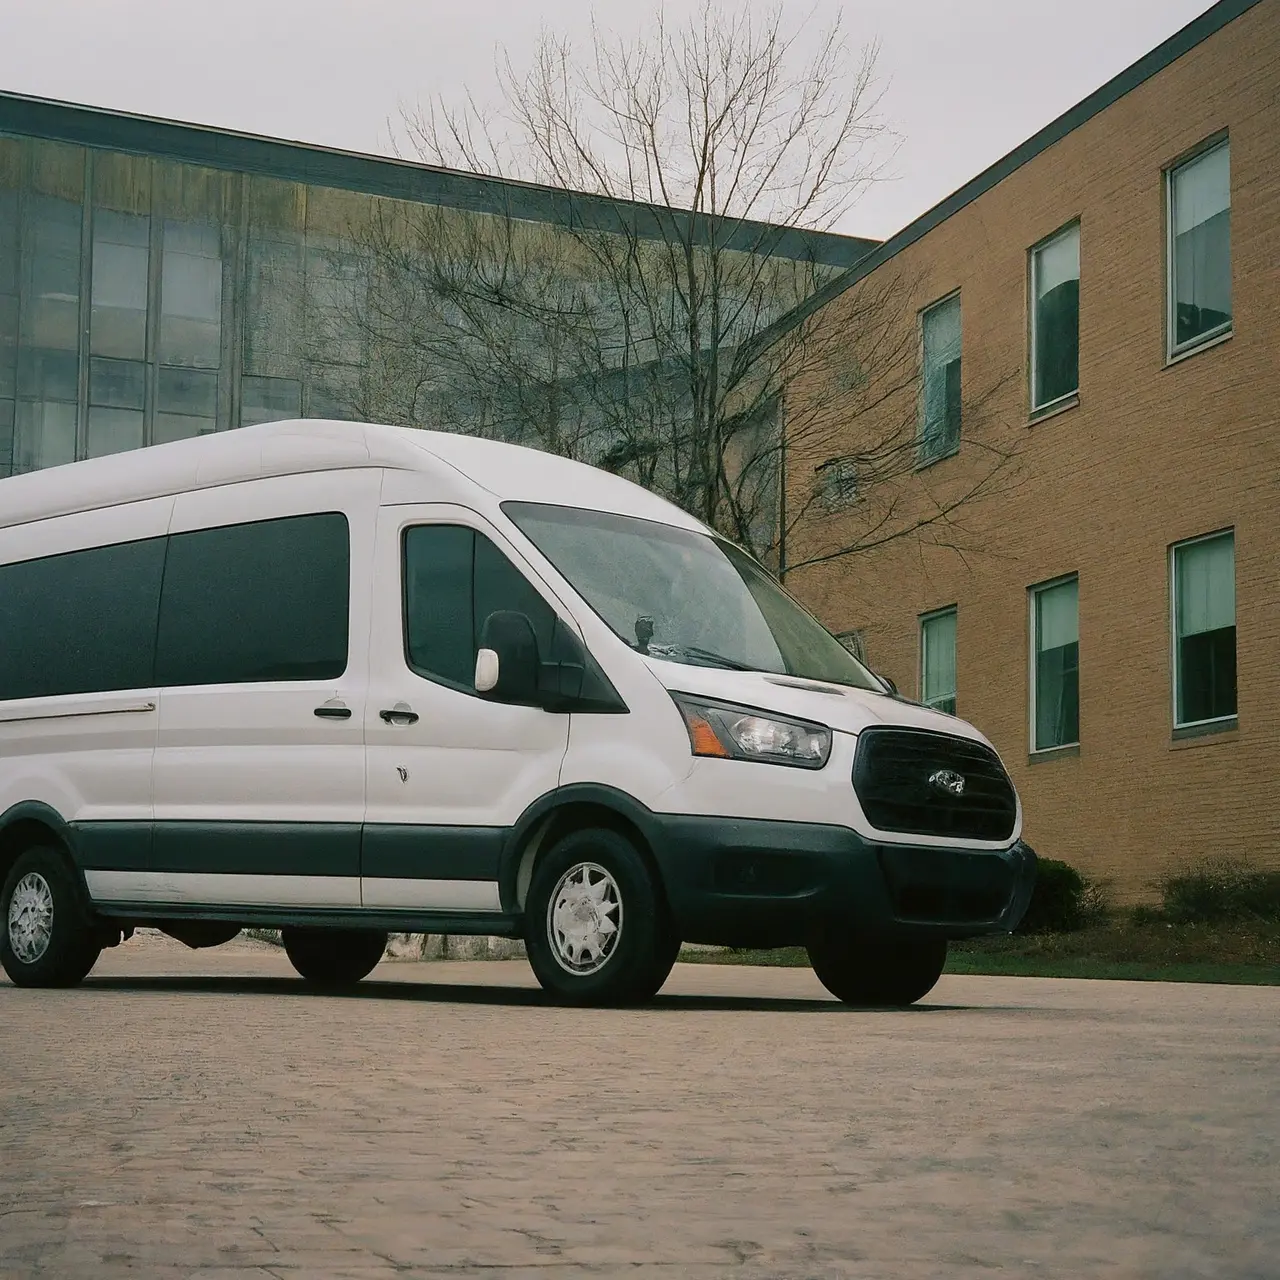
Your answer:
<point x="234" y="151"/>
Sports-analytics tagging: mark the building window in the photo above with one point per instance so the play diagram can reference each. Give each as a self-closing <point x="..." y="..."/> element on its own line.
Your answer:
<point x="938" y="660"/>
<point x="121" y="260"/>
<point x="838" y="483"/>
<point x="1204" y="630"/>
<point x="1055" y="670"/>
<point x="186" y="404"/>
<point x="940" y="408"/>
<point x="117" y="393"/>
<point x="269" y="400"/>
<point x="191" y="296"/>
<point x="1199" y="237"/>
<point x="1055" y="319"/>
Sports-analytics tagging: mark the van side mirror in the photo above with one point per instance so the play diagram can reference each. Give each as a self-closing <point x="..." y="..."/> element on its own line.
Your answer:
<point x="507" y="664"/>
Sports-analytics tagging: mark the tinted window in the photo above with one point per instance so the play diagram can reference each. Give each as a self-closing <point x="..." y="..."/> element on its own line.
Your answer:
<point x="454" y="579"/>
<point x="261" y="601"/>
<point x="80" y="623"/>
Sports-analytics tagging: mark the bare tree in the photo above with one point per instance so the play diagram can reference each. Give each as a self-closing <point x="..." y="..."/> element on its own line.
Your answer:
<point x="668" y="340"/>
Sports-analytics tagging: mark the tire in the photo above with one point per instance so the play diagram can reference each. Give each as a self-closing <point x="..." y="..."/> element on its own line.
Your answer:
<point x="47" y="938"/>
<point x="590" y="880"/>
<point x="878" y="975"/>
<point x="333" y="958"/>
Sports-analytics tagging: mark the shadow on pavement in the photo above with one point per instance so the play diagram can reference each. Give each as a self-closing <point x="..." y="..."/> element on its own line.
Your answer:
<point x="458" y="993"/>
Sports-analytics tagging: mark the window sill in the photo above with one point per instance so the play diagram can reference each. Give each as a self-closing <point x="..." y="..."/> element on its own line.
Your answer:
<point x="1070" y="751"/>
<point x="1053" y="410"/>
<point x="1206" y="735"/>
<point x="1205" y="344"/>
<point x="924" y="464"/>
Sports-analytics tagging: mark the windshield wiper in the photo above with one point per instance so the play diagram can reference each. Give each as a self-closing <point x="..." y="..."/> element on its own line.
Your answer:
<point x="702" y="655"/>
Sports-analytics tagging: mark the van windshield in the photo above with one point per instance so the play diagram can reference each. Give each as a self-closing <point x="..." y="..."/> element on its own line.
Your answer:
<point x="685" y="596"/>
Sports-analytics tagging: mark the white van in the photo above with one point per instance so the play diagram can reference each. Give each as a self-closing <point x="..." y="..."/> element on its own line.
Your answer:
<point x="343" y="680"/>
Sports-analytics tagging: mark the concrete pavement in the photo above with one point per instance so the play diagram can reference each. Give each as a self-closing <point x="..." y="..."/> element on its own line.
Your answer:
<point x="201" y="1115"/>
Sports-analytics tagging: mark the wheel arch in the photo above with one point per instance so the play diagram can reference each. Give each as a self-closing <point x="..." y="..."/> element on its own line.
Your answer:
<point x="29" y="824"/>
<point x="554" y="816"/>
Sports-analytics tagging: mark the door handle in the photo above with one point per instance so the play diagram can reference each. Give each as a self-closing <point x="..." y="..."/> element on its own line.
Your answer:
<point x="333" y="711"/>
<point x="399" y="714"/>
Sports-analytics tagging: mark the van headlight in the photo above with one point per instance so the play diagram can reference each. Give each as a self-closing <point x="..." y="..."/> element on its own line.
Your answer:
<point x="742" y="733"/>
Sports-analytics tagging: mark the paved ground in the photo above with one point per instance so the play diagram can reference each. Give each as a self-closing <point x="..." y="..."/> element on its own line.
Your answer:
<point x="190" y="1114"/>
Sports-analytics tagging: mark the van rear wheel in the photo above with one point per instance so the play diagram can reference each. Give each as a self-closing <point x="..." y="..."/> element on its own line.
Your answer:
<point x="333" y="957"/>
<point x="46" y="936"/>
<point x="878" y="974"/>
<point x="596" y="928"/>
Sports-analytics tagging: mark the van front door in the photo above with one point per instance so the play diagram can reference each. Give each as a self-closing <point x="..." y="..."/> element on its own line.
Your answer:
<point x="448" y="772"/>
<point x="261" y="658"/>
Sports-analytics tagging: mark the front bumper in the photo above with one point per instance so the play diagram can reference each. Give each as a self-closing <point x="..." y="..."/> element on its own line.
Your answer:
<point x="772" y="884"/>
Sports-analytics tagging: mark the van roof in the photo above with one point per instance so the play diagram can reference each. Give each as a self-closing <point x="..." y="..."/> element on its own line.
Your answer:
<point x="507" y="471"/>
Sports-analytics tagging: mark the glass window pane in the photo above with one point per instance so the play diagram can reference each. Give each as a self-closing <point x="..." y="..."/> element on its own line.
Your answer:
<point x="118" y="384"/>
<point x="1201" y="234"/>
<point x="273" y="304"/>
<point x="8" y="242"/>
<point x="45" y="416"/>
<point x="118" y="325"/>
<point x="938" y="661"/>
<point x="6" y="439"/>
<point x="256" y="602"/>
<point x="499" y="585"/>
<point x="269" y="400"/>
<point x="8" y="344"/>
<point x="1057" y="666"/>
<point x="335" y="296"/>
<point x="439" y="563"/>
<point x="114" y="430"/>
<point x="1205" y="629"/>
<point x="80" y="623"/>
<point x="45" y="434"/>
<point x="191" y="295"/>
<point x="941" y="334"/>
<point x="51" y="274"/>
<point x="187" y="404"/>
<point x="1056" y="318"/>
<point x="8" y="293"/>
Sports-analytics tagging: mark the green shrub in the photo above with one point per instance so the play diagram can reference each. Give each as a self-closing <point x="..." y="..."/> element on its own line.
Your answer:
<point x="1221" y="891"/>
<point x="1063" y="900"/>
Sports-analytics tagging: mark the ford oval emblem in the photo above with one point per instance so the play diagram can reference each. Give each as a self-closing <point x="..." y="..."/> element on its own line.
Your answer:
<point x="947" y="780"/>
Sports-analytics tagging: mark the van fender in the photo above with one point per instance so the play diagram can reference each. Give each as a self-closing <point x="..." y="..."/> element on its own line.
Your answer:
<point x="526" y="838"/>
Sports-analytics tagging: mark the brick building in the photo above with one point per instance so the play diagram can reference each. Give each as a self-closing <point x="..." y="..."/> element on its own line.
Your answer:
<point x="1111" y="618"/>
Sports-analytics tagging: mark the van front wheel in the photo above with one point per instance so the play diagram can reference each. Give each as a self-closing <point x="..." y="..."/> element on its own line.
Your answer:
<point x="878" y="974"/>
<point x="333" y="957"/>
<point x="596" y="928"/>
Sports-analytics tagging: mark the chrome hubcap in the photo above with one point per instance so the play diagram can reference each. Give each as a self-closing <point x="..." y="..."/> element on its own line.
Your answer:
<point x="31" y="918"/>
<point x="584" y="919"/>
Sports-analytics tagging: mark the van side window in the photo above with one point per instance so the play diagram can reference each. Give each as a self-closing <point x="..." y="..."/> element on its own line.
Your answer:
<point x="262" y="601"/>
<point x="454" y="578"/>
<point x="84" y="622"/>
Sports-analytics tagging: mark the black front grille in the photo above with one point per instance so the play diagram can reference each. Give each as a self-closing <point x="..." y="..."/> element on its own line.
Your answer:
<point x="892" y="774"/>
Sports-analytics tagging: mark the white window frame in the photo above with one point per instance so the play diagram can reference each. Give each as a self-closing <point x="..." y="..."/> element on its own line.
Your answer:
<point x="1032" y="299"/>
<point x="1179" y="725"/>
<point x="1033" y="667"/>
<point x="924" y="620"/>
<point x="924" y="459"/>
<point x="1172" y="350"/>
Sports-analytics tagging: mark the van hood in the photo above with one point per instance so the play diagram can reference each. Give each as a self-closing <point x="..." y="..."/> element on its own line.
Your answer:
<point x="837" y="706"/>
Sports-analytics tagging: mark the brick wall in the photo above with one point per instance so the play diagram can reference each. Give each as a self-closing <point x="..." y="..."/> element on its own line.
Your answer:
<point x="1150" y="455"/>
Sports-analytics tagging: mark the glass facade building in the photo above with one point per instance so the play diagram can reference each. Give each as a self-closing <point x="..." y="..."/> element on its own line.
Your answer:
<point x="161" y="281"/>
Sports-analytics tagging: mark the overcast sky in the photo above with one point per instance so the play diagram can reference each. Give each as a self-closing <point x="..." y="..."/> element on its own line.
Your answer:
<point x="965" y="80"/>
